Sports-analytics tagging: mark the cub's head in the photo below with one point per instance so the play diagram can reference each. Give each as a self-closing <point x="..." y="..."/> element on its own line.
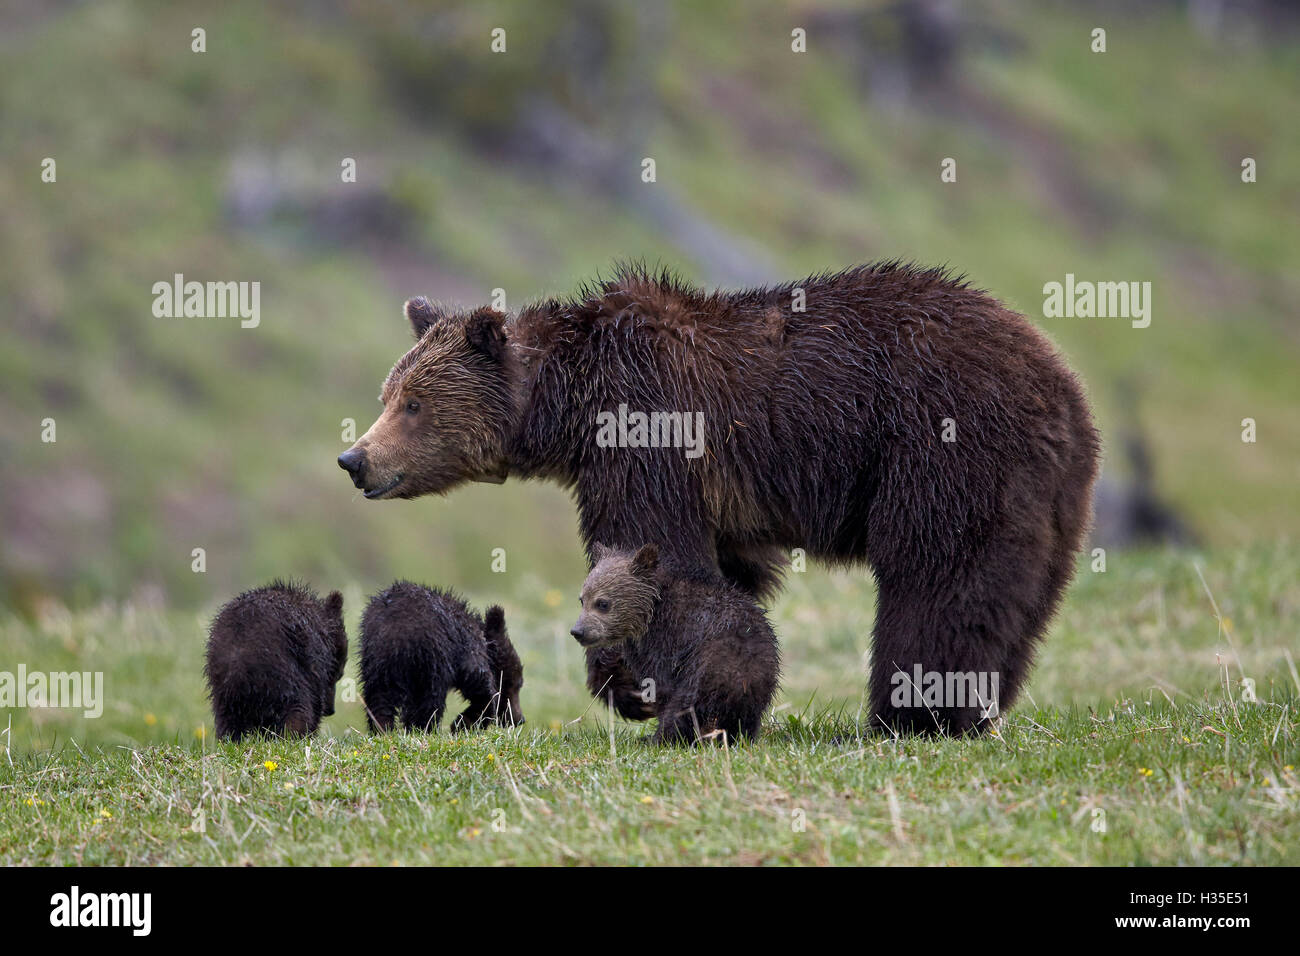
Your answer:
<point x="618" y="597"/>
<point x="338" y="635"/>
<point x="506" y="666"/>
<point x="448" y="406"/>
<point x="337" y="639"/>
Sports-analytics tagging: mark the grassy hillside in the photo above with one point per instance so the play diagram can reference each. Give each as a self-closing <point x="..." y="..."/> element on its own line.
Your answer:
<point x="182" y="433"/>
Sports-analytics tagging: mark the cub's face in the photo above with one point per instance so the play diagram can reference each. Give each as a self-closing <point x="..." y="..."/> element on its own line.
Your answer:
<point x="447" y="409"/>
<point x="618" y="598"/>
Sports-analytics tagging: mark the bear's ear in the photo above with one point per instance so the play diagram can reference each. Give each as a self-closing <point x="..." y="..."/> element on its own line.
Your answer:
<point x="421" y="314"/>
<point x="645" y="560"/>
<point x="494" y="623"/>
<point x="599" y="552"/>
<point x="485" y="330"/>
<point x="334" y="604"/>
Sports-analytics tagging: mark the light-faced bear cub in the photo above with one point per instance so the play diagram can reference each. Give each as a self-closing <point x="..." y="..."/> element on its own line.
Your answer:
<point x="699" y="647"/>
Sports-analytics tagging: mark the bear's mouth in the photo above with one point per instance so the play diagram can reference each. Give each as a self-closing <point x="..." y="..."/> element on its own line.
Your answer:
<point x="380" y="492"/>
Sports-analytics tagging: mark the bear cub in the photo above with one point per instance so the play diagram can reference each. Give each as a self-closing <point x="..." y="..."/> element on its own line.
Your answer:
<point x="417" y="643"/>
<point x="698" y="645"/>
<point x="274" y="655"/>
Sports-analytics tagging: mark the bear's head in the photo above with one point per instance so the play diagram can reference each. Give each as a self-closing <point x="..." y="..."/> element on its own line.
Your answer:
<point x="506" y="666"/>
<point x="448" y="407"/>
<point x="619" y="596"/>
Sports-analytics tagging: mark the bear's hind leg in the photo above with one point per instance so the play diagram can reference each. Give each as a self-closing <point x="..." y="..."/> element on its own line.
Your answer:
<point x="956" y="633"/>
<point x="424" y="713"/>
<point x="951" y="650"/>
<point x="1053" y="581"/>
<point x="299" y="721"/>
<point x="922" y="640"/>
<point x="380" y="712"/>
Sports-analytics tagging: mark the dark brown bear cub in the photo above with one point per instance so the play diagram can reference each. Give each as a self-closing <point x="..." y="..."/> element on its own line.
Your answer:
<point x="418" y="643"/>
<point x="699" y="647"/>
<point x="274" y="656"/>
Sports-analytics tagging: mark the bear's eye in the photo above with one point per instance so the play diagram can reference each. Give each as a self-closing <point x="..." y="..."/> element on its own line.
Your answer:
<point x="602" y="606"/>
<point x="412" y="407"/>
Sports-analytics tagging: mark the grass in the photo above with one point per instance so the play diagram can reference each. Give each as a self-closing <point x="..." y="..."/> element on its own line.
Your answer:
<point x="1135" y="721"/>
<point x="1199" y="783"/>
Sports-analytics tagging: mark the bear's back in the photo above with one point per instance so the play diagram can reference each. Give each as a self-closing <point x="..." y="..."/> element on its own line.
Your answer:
<point x="269" y="628"/>
<point x="426" y="626"/>
<point x="701" y="610"/>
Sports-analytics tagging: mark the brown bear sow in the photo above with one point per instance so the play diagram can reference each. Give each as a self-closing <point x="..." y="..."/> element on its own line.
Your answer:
<point x="884" y="415"/>
<point x="274" y="655"/>
<point x="700" y="649"/>
<point x="418" y="643"/>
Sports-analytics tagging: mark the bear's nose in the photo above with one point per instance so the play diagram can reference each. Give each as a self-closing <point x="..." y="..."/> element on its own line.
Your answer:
<point x="353" y="461"/>
<point x="578" y="632"/>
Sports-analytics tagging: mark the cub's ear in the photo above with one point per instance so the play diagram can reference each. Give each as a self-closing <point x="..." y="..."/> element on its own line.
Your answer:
<point x="645" y="560"/>
<point x="599" y="552"/>
<point x="494" y="623"/>
<point x="334" y="604"/>
<point x="485" y="330"/>
<point x="421" y="314"/>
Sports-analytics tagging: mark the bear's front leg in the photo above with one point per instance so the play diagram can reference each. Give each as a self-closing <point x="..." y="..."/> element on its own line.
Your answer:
<point x="756" y="570"/>
<point x="674" y="730"/>
<point x="608" y="673"/>
<point x="679" y="722"/>
<point x="476" y="686"/>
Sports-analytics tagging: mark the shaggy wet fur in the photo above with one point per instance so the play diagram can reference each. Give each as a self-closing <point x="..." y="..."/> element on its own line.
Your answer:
<point x="418" y="643"/>
<point x="274" y="655"/>
<point x="825" y="431"/>
<point x="700" y="651"/>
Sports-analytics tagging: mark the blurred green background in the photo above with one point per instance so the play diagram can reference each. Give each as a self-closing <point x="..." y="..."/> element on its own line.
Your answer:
<point x="521" y="171"/>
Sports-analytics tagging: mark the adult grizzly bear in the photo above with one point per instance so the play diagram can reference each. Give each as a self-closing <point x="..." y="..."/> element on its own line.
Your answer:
<point x="707" y="648"/>
<point x="884" y="414"/>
